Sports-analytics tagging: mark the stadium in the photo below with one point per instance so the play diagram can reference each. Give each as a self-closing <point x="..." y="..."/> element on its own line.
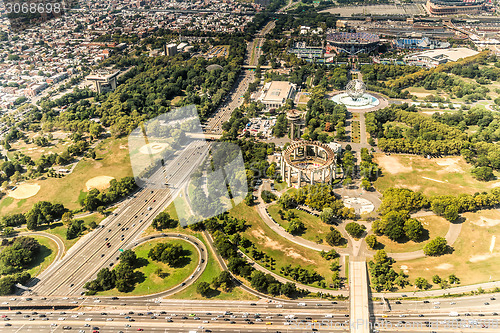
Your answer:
<point x="454" y="7"/>
<point x="351" y="42"/>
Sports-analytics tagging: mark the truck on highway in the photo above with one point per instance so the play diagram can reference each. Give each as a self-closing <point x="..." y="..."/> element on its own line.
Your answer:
<point x="453" y="314"/>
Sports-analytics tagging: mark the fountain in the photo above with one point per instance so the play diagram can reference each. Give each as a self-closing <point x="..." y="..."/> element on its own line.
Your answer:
<point x="356" y="97"/>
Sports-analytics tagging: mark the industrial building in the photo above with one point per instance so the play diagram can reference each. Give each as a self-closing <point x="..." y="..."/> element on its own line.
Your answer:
<point x="419" y="44"/>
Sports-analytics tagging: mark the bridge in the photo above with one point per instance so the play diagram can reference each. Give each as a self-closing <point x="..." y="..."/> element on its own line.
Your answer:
<point x="360" y="306"/>
<point x="254" y="67"/>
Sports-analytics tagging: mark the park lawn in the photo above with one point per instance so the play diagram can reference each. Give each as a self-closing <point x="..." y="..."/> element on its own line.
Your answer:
<point x="56" y="146"/>
<point x="111" y="161"/>
<point x="471" y="260"/>
<point x="48" y="252"/>
<point x="59" y="229"/>
<point x="315" y="228"/>
<point x="280" y="186"/>
<point x="211" y="271"/>
<point x="355" y="135"/>
<point x="436" y="176"/>
<point x="152" y="282"/>
<point x="283" y="251"/>
<point x="434" y="225"/>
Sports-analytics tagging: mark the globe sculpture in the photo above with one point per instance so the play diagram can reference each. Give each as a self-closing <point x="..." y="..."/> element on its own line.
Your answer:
<point x="355" y="89"/>
<point x="355" y="97"/>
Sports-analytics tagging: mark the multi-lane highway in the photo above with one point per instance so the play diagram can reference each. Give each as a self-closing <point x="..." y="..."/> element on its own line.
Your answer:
<point x="101" y="247"/>
<point x="230" y="320"/>
<point x="232" y="101"/>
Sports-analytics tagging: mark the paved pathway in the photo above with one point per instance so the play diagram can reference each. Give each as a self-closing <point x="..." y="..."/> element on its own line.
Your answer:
<point x="359" y="300"/>
<point x="261" y="209"/>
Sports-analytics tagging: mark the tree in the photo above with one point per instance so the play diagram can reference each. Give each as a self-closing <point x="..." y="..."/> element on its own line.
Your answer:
<point x="288" y="289"/>
<point x="203" y="288"/>
<point x="295" y="227"/>
<point x="371" y="241"/>
<point x="451" y="213"/>
<point x="7" y="285"/>
<point x="164" y="221"/>
<point x="483" y="173"/>
<point x="366" y="184"/>
<point x="347" y="181"/>
<point x="436" y="279"/>
<point x="106" y="279"/>
<point x="453" y="279"/>
<point x="355" y="229"/>
<point x="171" y="254"/>
<point x="128" y="257"/>
<point x="436" y="247"/>
<point x="422" y="283"/>
<point x="413" y="229"/>
<point x="224" y="279"/>
<point x="249" y="201"/>
<point x="267" y="196"/>
<point x="327" y="215"/>
<point x="66" y="218"/>
<point x="334" y="237"/>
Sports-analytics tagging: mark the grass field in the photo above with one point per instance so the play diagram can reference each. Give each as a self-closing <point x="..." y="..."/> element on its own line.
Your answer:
<point x="315" y="228"/>
<point x="434" y="225"/>
<point x="112" y="160"/>
<point x="436" y="176"/>
<point x="471" y="260"/>
<point x="59" y="229"/>
<point x="355" y="135"/>
<point x="279" y="248"/>
<point x="46" y="256"/>
<point x="59" y="144"/>
<point x="212" y="270"/>
<point x="152" y="283"/>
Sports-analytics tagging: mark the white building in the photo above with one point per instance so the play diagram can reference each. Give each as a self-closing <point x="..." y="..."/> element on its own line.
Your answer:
<point x="433" y="58"/>
<point x="275" y="93"/>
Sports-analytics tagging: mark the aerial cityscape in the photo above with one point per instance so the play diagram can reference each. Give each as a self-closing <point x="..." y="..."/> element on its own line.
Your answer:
<point x="250" y="166"/>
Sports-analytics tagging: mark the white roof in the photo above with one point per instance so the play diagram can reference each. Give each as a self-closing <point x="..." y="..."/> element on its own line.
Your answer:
<point x="449" y="54"/>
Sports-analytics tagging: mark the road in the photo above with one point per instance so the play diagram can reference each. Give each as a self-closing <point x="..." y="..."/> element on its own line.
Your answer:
<point x="231" y="102"/>
<point x="82" y="262"/>
<point x="166" y="320"/>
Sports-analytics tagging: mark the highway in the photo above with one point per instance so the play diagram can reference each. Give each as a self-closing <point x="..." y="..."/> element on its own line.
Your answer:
<point x="231" y="102"/>
<point x="231" y="321"/>
<point x="124" y="226"/>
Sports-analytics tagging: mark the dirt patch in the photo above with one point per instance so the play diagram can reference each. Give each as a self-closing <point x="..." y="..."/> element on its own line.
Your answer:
<point x="497" y="184"/>
<point x="444" y="266"/>
<point x="392" y="165"/>
<point x="123" y="146"/>
<point x="481" y="257"/>
<point x="25" y="191"/>
<point x="100" y="183"/>
<point x="451" y="164"/>
<point x="272" y="244"/>
<point x="485" y="222"/>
